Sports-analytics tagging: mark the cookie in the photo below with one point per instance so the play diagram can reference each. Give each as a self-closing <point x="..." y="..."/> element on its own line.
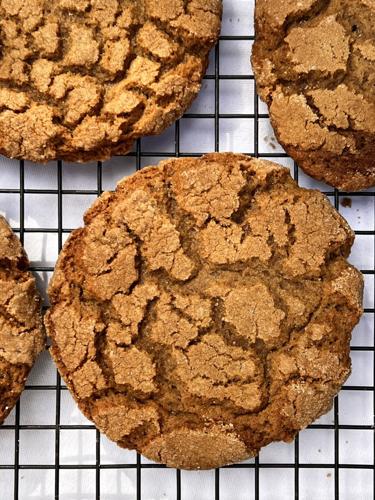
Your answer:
<point x="82" y="79"/>
<point x="314" y="63"/>
<point x="21" y="330"/>
<point x="205" y="309"/>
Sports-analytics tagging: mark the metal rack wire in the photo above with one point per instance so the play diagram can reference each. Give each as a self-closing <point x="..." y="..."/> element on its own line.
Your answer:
<point x="12" y="468"/>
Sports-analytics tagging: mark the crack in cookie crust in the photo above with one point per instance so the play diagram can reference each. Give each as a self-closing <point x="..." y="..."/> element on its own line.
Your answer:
<point x="83" y="80"/>
<point x="178" y="345"/>
<point x="314" y="63"/>
<point x="21" y="330"/>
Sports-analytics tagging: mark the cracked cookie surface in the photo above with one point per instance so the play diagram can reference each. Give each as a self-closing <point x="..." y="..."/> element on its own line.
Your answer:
<point x="205" y="309"/>
<point x="314" y="61"/>
<point x="81" y="80"/>
<point x="21" y="330"/>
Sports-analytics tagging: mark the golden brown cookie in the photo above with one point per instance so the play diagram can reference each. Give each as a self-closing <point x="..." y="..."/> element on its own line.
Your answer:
<point x="205" y="309"/>
<point x="82" y="79"/>
<point x="21" y="329"/>
<point x="314" y="62"/>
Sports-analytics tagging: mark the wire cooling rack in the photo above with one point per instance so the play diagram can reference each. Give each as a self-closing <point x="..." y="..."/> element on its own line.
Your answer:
<point x="47" y="448"/>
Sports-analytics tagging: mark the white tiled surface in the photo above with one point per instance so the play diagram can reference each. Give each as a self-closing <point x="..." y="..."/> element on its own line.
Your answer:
<point x="315" y="449"/>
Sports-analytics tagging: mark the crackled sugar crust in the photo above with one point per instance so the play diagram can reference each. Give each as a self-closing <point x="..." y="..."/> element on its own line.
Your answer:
<point x="21" y="330"/>
<point x="82" y="79"/>
<point x="205" y="309"/>
<point x="314" y="61"/>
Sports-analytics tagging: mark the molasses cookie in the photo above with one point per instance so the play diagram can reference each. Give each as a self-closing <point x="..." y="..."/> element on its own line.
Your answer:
<point x="82" y="79"/>
<point x="21" y="331"/>
<point x="205" y="309"/>
<point x="314" y="62"/>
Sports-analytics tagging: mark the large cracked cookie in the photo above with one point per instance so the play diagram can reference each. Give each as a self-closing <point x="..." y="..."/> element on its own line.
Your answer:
<point x="205" y="309"/>
<point x="21" y="329"/>
<point x="82" y="79"/>
<point x="314" y="61"/>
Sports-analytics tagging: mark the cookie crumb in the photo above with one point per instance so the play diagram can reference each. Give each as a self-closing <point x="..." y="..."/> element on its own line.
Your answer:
<point x="346" y="202"/>
<point x="270" y="141"/>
